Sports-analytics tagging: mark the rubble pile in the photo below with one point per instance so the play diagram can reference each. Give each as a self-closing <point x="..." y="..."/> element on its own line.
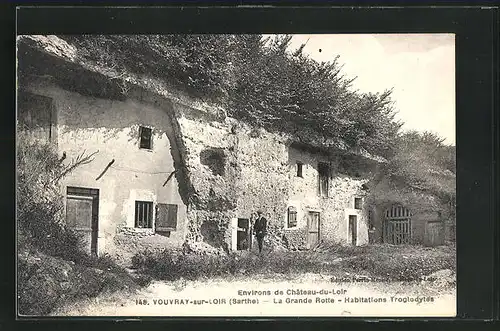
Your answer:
<point x="275" y="243"/>
<point x="201" y="248"/>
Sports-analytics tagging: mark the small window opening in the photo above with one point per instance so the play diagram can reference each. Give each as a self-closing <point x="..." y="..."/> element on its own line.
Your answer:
<point x="145" y="135"/>
<point x="292" y="217"/>
<point x="358" y="202"/>
<point x="299" y="169"/>
<point x="143" y="214"/>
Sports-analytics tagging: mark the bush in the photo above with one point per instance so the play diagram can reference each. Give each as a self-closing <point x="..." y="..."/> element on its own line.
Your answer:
<point x="39" y="202"/>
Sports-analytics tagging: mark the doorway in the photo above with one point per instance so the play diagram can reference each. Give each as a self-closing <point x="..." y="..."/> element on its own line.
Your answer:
<point x="353" y="232"/>
<point x="313" y="226"/>
<point x="434" y="233"/>
<point x="82" y="215"/>
<point x="244" y="235"/>
<point x="397" y="228"/>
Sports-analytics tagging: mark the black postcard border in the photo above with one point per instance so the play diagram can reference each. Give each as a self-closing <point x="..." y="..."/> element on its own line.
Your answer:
<point x="477" y="87"/>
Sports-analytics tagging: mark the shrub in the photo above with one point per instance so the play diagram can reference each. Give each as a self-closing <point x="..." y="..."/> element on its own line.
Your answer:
<point x="39" y="198"/>
<point x="172" y="265"/>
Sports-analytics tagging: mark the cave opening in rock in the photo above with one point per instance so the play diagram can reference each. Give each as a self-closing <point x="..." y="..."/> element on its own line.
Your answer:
<point x="214" y="159"/>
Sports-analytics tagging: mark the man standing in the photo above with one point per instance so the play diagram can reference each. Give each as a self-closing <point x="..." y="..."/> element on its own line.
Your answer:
<point x="260" y="228"/>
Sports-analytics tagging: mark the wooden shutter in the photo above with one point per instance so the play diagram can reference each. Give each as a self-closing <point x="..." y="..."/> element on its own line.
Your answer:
<point x="166" y="217"/>
<point x="79" y="213"/>
<point x="292" y="217"/>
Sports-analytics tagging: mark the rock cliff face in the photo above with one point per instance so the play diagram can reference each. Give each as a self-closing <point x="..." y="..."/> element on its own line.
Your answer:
<point x="236" y="169"/>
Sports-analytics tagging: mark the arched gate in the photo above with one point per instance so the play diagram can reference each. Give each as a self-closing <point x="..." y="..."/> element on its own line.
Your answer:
<point x="397" y="225"/>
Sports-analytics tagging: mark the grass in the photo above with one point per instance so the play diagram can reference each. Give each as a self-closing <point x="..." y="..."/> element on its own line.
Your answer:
<point x="378" y="262"/>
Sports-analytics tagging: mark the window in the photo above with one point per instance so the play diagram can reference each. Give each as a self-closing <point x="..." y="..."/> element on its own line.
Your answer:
<point x="37" y="115"/>
<point x="358" y="202"/>
<point x="145" y="135"/>
<point x="166" y="217"/>
<point x="292" y="217"/>
<point x="299" y="169"/>
<point x="324" y="176"/>
<point x="143" y="214"/>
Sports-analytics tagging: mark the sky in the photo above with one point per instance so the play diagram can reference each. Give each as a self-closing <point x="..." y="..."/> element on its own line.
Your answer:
<point x="419" y="67"/>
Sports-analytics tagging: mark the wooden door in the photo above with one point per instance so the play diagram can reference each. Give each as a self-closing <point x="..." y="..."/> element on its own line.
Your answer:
<point x="353" y="229"/>
<point x="313" y="226"/>
<point x="82" y="217"/>
<point x="434" y="233"/>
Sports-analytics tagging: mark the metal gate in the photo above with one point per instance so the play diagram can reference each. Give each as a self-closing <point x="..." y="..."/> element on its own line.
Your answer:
<point x="397" y="226"/>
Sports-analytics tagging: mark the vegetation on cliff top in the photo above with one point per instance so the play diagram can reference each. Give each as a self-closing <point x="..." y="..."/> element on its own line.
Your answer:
<point x="421" y="174"/>
<point x="263" y="81"/>
<point x="256" y="79"/>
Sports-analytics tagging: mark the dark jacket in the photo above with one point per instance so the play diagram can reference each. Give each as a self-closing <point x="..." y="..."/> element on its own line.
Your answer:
<point x="260" y="226"/>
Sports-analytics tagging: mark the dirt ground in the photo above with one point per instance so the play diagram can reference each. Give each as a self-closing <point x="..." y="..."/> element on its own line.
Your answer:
<point x="234" y="297"/>
<point x="371" y="281"/>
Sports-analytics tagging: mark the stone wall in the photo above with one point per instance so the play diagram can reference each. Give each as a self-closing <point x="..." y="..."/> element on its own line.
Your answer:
<point x="253" y="169"/>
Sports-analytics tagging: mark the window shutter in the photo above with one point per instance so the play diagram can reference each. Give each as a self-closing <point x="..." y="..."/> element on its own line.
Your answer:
<point x="166" y="217"/>
<point x="172" y="216"/>
<point x="292" y="217"/>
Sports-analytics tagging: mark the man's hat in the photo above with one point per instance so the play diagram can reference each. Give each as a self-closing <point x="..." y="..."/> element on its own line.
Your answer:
<point x="259" y="212"/>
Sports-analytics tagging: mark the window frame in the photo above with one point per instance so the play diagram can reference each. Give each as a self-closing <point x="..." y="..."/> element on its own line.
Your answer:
<point x="360" y="200"/>
<point x="141" y="129"/>
<point x="150" y="211"/>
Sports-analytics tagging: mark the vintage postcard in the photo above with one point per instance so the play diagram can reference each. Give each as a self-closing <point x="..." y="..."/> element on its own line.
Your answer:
<point x="236" y="175"/>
